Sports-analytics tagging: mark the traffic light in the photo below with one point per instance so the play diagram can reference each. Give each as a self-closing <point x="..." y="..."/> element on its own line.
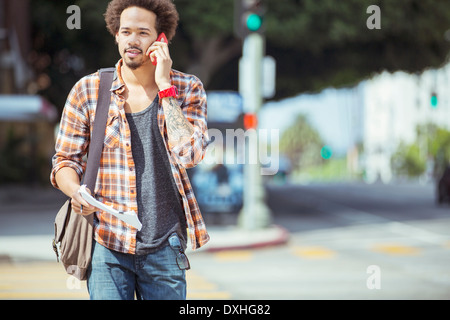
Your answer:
<point x="250" y="121"/>
<point x="249" y="17"/>
<point x="434" y="100"/>
<point x="326" y="152"/>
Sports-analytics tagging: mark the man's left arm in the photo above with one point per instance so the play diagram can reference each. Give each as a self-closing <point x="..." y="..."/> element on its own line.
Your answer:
<point x="186" y="125"/>
<point x="186" y="122"/>
<point x="179" y="129"/>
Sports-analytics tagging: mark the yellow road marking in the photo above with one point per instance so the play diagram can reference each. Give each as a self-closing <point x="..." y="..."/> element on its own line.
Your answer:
<point x="43" y="295"/>
<point x="208" y="295"/>
<point x="200" y="288"/>
<point x="396" y="249"/>
<point x="49" y="281"/>
<point x="313" y="252"/>
<point x="234" y="255"/>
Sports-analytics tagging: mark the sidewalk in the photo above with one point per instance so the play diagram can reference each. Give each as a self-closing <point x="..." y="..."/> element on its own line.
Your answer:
<point x="26" y="227"/>
<point x="39" y="247"/>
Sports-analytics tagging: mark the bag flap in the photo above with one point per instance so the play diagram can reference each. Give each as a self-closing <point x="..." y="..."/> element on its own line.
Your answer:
<point x="61" y="220"/>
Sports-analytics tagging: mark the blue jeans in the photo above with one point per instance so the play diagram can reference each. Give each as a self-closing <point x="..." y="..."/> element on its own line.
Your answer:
<point x="119" y="276"/>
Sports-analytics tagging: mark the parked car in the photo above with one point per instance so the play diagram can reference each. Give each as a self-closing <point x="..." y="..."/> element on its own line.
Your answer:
<point x="443" y="187"/>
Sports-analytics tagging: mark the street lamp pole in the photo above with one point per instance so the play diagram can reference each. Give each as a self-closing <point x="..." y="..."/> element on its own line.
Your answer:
<point x="254" y="214"/>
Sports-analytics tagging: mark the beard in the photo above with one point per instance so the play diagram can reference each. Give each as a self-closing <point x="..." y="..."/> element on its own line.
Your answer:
<point x="133" y="63"/>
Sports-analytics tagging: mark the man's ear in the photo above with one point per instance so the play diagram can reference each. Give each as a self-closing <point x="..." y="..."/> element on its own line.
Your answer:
<point x="117" y="35"/>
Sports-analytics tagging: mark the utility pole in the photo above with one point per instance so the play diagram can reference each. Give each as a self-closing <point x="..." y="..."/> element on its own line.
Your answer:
<point x="249" y="26"/>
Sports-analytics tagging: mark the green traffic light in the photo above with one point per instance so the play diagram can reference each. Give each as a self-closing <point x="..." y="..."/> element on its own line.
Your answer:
<point x="326" y="152"/>
<point x="434" y="101"/>
<point x="254" y="22"/>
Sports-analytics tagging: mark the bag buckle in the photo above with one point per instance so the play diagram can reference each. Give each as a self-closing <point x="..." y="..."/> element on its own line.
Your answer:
<point x="55" y="248"/>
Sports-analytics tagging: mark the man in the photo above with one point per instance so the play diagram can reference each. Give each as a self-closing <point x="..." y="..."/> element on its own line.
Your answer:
<point x="156" y="129"/>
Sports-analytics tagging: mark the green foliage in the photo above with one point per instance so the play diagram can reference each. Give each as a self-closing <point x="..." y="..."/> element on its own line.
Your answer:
<point x="326" y="43"/>
<point x="332" y="170"/>
<point x="206" y="19"/>
<point x="433" y="143"/>
<point x="437" y="140"/>
<point x="407" y="161"/>
<point x="317" y="44"/>
<point x="301" y="143"/>
<point x="67" y="55"/>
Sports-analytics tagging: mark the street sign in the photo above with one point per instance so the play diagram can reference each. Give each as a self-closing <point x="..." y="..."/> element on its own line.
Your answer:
<point x="26" y="108"/>
<point x="268" y="80"/>
<point x="224" y="106"/>
<point x="269" y="77"/>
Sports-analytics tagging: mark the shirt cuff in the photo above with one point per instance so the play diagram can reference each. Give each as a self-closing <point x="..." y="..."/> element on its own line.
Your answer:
<point x="65" y="164"/>
<point x="190" y="153"/>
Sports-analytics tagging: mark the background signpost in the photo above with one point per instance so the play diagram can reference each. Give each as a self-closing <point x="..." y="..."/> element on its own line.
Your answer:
<point x="249" y="26"/>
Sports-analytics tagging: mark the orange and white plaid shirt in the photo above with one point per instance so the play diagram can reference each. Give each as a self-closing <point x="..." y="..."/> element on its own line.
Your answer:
<point x="116" y="181"/>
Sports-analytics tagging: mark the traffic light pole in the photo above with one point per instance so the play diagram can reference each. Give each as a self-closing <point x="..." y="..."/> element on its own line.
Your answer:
<point x="254" y="214"/>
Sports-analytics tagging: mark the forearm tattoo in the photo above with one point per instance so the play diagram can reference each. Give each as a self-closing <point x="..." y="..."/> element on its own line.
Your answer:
<point x="179" y="129"/>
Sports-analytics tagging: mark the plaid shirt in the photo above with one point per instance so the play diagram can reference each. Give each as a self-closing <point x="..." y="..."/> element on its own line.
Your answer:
<point x="116" y="181"/>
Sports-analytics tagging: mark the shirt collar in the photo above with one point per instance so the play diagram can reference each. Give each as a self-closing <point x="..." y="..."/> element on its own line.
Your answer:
<point x="118" y="83"/>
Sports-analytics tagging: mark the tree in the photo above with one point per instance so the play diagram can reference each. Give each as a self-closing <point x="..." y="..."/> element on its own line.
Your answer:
<point x="206" y="34"/>
<point x="317" y="44"/>
<point x="301" y="143"/>
<point x="326" y="43"/>
<point x="437" y="141"/>
<point x="433" y="143"/>
<point x="407" y="161"/>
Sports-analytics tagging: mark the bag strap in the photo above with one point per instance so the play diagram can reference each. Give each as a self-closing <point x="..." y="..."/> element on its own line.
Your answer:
<point x="98" y="132"/>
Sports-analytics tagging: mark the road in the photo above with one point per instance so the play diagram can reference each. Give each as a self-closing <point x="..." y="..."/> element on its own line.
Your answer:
<point x="347" y="241"/>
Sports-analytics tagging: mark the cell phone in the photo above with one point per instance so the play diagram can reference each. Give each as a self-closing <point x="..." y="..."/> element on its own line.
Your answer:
<point x="162" y="37"/>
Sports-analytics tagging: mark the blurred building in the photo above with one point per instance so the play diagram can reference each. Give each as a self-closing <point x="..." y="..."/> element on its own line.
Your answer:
<point x="367" y="123"/>
<point x="26" y="120"/>
<point x="15" y="46"/>
<point x="394" y="105"/>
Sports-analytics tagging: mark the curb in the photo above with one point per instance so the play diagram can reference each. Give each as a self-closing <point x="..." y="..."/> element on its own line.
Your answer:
<point x="38" y="247"/>
<point x="233" y="238"/>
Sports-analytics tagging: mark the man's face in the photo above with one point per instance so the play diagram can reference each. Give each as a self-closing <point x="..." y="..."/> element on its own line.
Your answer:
<point x="136" y="33"/>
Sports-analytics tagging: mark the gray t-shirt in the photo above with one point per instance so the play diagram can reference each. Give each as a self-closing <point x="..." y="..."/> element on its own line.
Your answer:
<point x="159" y="203"/>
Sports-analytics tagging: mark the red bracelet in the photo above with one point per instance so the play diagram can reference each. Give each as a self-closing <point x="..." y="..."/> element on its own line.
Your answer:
<point x="171" y="92"/>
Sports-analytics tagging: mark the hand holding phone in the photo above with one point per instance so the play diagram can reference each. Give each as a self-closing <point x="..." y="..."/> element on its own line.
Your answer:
<point x="162" y="38"/>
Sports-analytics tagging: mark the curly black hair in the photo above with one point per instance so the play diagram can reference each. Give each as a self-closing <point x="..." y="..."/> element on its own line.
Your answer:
<point x="166" y="14"/>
